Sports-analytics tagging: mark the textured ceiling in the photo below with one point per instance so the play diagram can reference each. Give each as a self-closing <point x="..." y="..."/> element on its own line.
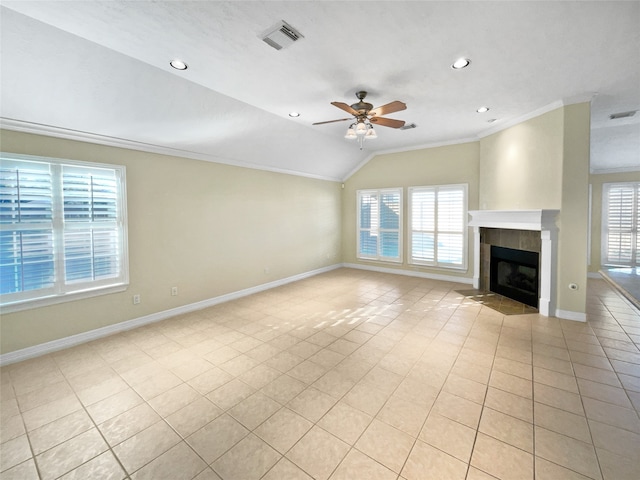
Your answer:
<point x="99" y="71"/>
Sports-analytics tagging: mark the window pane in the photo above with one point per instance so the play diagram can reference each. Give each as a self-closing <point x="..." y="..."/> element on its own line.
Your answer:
<point x="368" y="244"/>
<point x="106" y="253"/>
<point x="89" y="196"/>
<point x="390" y="211"/>
<point x="369" y="211"/>
<point x="25" y="194"/>
<point x="423" y="205"/>
<point x="26" y="260"/>
<point x="91" y="254"/>
<point x="450" y="210"/>
<point x="389" y="245"/>
<point x="619" y="247"/>
<point x="450" y="248"/>
<point x="422" y="247"/>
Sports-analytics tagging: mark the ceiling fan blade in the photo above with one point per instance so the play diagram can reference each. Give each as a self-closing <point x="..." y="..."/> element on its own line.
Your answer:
<point x="388" y="108"/>
<point x="332" y="121"/>
<point x="387" y="122"/>
<point x="345" y="107"/>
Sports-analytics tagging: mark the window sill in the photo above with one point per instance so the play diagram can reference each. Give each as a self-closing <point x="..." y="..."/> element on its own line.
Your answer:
<point x="439" y="267"/>
<point x="57" y="299"/>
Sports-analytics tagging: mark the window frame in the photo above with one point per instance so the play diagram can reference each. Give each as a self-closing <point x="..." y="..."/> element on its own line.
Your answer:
<point x="378" y="257"/>
<point x="465" y="229"/>
<point x="635" y="228"/>
<point x="62" y="290"/>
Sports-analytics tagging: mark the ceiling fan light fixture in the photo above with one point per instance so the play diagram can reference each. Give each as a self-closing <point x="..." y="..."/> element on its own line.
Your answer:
<point x="461" y="63"/>
<point x="371" y="134"/>
<point x="361" y="128"/>
<point x="351" y="133"/>
<point x="178" y="64"/>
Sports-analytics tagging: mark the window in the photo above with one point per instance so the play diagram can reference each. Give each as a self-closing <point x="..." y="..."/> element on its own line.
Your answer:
<point x="621" y="224"/>
<point x="438" y="226"/>
<point x="62" y="230"/>
<point x="380" y="225"/>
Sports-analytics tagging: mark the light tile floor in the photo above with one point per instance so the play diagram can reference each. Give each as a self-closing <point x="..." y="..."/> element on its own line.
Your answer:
<point x="346" y="375"/>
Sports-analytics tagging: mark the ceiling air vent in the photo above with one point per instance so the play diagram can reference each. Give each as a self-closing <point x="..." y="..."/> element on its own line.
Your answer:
<point x="616" y="116"/>
<point x="281" y="35"/>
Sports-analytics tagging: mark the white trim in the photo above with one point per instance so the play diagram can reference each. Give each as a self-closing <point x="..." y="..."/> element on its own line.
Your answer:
<point x="57" y="132"/>
<point x="410" y="273"/>
<point x="589" y="215"/>
<point x="514" y="219"/>
<point x="569" y="315"/>
<point x="30" y="304"/>
<point x="66" y="342"/>
<point x="604" y="171"/>
<point x="512" y="122"/>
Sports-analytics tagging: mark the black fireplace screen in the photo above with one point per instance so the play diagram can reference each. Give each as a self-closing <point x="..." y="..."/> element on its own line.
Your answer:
<point x="514" y="274"/>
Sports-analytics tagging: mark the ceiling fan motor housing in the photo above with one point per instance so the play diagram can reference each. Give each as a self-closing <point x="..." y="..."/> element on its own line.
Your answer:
<point x="362" y="107"/>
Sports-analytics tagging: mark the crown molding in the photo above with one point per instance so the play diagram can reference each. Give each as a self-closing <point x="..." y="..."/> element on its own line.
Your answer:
<point x="408" y="149"/>
<point x="512" y="122"/>
<point x="80" y="136"/>
<point x="497" y="128"/>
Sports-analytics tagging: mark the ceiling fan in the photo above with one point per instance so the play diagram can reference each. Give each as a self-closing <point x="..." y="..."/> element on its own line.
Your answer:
<point x="365" y="116"/>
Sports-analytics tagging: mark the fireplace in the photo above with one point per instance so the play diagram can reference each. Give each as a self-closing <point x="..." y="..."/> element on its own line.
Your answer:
<point x="542" y="224"/>
<point x="514" y="274"/>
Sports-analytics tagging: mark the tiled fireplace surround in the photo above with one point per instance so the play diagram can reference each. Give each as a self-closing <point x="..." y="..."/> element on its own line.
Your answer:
<point x="532" y="230"/>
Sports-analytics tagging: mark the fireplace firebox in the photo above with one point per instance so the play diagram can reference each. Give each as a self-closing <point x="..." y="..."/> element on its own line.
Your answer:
<point x="514" y="274"/>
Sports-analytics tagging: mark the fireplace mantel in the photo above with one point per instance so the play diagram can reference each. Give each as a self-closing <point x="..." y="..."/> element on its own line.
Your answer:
<point x="514" y="219"/>
<point x="543" y="221"/>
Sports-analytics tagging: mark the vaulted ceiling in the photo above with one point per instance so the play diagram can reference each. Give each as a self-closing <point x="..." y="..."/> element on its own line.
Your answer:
<point x="99" y="71"/>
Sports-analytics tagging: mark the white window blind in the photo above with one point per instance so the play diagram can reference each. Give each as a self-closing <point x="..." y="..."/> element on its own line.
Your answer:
<point x="380" y="224"/>
<point x="62" y="229"/>
<point x="621" y="224"/>
<point x="438" y="226"/>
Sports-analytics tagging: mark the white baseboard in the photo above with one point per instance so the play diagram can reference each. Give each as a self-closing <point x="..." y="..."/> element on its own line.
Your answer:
<point x="410" y="273"/>
<point x="73" y="340"/>
<point x="569" y="315"/>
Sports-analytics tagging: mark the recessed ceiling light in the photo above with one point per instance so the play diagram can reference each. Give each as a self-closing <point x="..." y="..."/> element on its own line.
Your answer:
<point x="482" y="109"/>
<point x="461" y="63"/>
<point x="294" y="114"/>
<point x="178" y="64"/>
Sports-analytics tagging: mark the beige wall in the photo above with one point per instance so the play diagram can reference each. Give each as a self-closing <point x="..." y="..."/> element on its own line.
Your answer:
<point x="596" y="182"/>
<point x="574" y="210"/>
<point x="433" y="166"/>
<point x="207" y="228"/>
<point x="521" y="166"/>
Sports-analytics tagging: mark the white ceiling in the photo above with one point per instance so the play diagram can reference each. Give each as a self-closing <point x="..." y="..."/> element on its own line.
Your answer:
<point x="99" y="70"/>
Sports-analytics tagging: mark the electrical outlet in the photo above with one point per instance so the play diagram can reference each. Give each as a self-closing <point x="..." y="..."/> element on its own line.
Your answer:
<point x="174" y="291"/>
<point x="136" y="299"/>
